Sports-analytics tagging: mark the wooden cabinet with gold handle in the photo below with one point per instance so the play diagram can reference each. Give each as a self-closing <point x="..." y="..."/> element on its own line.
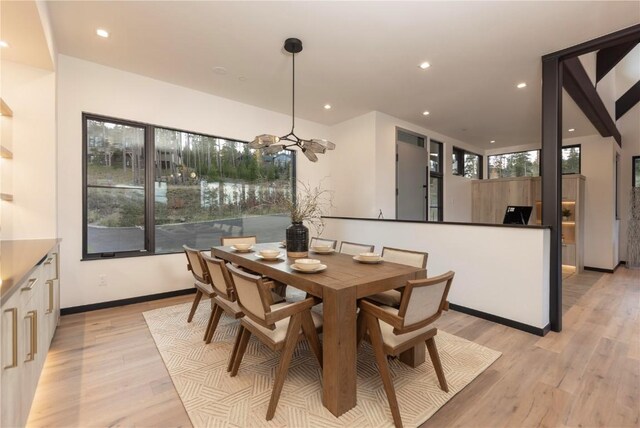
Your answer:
<point x="30" y="284"/>
<point x="33" y="342"/>
<point x="14" y="338"/>
<point x="51" y="291"/>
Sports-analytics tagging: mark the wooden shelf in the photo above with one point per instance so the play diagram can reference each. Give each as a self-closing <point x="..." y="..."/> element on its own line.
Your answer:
<point x="6" y="197"/>
<point x="4" y="109"/>
<point x="5" y="153"/>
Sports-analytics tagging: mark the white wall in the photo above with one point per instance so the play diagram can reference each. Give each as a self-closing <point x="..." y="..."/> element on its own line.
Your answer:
<point x="30" y="93"/>
<point x="88" y="87"/>
<point x="511" y="282"/>
<point x="353" y="171"/>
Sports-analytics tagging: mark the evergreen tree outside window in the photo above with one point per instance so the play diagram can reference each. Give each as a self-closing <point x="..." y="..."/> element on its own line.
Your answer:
<point x="527" y="163"/>
<point x="466" y="164"/>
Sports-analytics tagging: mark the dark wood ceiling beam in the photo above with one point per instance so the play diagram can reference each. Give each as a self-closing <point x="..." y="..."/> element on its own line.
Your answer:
<point x="579" y="87"/>
<point x="607" y="58"/>
<point x="628" y="100"/>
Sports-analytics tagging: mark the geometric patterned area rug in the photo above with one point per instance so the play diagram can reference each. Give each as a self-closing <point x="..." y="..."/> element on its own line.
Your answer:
<point x="214" y="399"/>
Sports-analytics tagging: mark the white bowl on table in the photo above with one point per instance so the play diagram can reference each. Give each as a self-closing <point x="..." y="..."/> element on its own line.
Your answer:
<point x="307" y="265"/>
<point x="369" y="257"/>
<point x="269" y="253"/>
<point x="242" y="247"/>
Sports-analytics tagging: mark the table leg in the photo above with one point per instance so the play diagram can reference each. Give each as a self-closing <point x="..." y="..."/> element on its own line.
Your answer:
<point x="339" y="350"/>
<point x="413" y="357"/>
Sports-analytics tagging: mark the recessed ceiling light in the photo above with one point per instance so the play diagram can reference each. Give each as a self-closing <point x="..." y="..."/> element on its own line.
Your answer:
<point x="327" y="106"/>
<point x="571" y="129"/>
<point x="521" y="85"/>
<point x="220" y="70"/>
<point x="3" y="44"/>
<point x="102" y="33"/>
<point x="425" y="113"/>
<point x="492" y="141"/>
<point x="424" y="65"/>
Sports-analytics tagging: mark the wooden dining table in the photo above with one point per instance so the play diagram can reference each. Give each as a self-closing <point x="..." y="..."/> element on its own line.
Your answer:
<point x="339" y="286"/>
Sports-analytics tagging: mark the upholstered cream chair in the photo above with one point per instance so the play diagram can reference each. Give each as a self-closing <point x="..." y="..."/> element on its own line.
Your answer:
<point x="321" y="241"/>
<point x="404" y="257"/>
<point x="278" y="326"/>
<point x="354" y="249"/>
<point x="232" y="240"/>
<point x="196" y="265"/>
<point x="224" y="299"/>
<point x="392" y="331"/>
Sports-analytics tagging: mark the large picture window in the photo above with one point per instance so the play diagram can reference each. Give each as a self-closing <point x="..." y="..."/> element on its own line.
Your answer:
<point x="151" y="189"/>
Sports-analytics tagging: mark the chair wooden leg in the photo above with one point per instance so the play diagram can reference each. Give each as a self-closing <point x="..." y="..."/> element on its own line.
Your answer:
<point x="235" y="348"/>
<point x="381" y="358"/>
<point x="437" y="365"/>
<point x="215" y="319"/>
<point x="194" y="306"/>
<point x="242" y="347"/>
<point x="206" y="332"/>
<point x="311" y="333"/>
<point x="287" y="352"/>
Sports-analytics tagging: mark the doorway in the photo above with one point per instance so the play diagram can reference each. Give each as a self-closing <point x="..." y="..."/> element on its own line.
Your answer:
<point x="412" y="172"/>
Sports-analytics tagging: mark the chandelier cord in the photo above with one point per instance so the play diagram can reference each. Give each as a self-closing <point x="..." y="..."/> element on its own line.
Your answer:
<point x="293" y="95"/>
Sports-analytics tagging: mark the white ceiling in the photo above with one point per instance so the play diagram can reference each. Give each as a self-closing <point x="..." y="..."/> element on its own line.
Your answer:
<point x="358" y="56"/>
<point x="20" y="27"/>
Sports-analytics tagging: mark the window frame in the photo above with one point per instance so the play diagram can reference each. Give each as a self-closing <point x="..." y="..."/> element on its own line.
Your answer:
<point x="439" y="175"/>
<point x="573" y="146"/>
<point x="149" y="186"/>
<point x="634" y="159"/>
<point x="459" y="171"/>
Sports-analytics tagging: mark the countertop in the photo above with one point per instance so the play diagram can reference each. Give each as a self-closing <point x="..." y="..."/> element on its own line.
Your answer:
<point x="18" y="259"/>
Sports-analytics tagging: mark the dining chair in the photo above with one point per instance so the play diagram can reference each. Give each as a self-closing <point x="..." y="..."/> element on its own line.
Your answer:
<point x="224" y="299"/>
<point x="354" y="249"/>
<point x="231" y="240"/>
<point x="404" y="257"/>
<point x="196" y="265"/>
<point x="392" y="331"/>
<point x="278" y="326"/>
<point x="321" y="241"/>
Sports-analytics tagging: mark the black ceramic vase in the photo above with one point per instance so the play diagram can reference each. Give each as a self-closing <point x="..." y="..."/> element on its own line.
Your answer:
<point x="297" y="240"/>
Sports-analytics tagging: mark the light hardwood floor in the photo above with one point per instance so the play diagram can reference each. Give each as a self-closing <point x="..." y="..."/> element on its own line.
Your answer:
<point x="104" y="370"/>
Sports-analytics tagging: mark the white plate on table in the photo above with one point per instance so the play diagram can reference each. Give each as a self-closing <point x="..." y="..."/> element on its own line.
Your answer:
<point x="269" y="259"/>
<point x="248" y="250"/>
<point x="329" y="251"/>
<point x="318" y="269"/>
<point x="371" y="262"/>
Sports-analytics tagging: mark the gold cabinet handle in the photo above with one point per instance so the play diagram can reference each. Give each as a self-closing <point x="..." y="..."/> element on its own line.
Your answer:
<point x="33" y="343"/>
<point x="14" y="338"/>
<point x="30" y="284"/>
<point x="57" y="265"/>
<point x="50" y="308"/>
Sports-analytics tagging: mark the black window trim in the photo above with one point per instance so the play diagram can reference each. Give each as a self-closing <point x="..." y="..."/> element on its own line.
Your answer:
<point x="634" y="159"/>
<point x="440" y="175"/>
<point x="579" y="146"/>
<point x="149" y="190"/>
<point x="459" y="171"/>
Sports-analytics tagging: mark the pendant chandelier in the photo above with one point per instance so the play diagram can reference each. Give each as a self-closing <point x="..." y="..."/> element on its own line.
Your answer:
<point x="272" y="144"/>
